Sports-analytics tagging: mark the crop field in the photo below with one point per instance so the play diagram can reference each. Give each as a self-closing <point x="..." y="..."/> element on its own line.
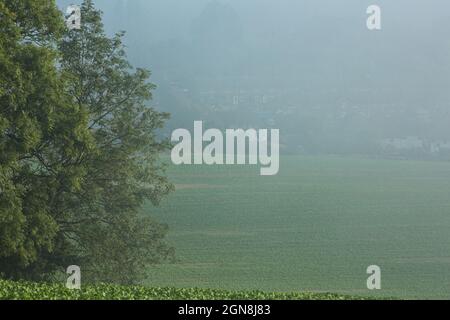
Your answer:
<point x="314" y="227"/>
<point x="10" y="290"/>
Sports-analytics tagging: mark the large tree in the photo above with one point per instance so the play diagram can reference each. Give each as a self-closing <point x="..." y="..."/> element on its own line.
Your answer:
<point x="89" y="176"/>
<point x="40" y="131"/>
<point x="116" y="241"/>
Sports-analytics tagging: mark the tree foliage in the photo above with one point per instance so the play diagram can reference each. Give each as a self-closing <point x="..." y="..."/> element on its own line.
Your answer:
<point x="78" y="150"/>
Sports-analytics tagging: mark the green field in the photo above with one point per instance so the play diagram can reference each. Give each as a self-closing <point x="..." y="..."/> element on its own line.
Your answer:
<point x="10" y="290"/>
<point x="316" y="226"/>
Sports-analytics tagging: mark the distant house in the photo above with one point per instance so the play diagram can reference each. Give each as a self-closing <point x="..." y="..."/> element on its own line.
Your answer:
<point x="407" y="143"/>
<point x="415" y="144"/>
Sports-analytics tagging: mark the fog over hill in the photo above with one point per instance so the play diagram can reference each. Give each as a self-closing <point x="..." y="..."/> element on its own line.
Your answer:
<point x="308" y="67"/>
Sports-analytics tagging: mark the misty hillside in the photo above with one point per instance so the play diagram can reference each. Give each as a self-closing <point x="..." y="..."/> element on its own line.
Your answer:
<point x="310" y="68"/>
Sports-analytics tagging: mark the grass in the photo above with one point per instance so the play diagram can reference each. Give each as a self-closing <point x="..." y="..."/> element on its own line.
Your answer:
<point x="10" y="290"/>
<point x="314" y="227"/>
